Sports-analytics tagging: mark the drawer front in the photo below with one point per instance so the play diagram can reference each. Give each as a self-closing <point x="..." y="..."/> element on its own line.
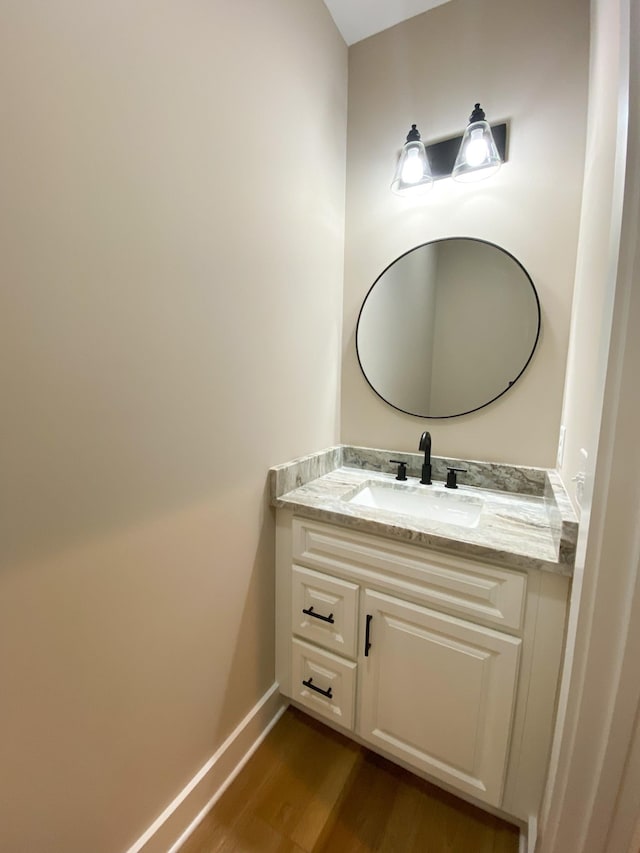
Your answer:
<point x="323" y="682"/>
<point x="464" y="587"/>
<point x="324" y="610"/>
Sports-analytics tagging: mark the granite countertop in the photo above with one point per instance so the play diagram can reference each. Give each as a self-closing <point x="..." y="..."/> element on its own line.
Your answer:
<point x="527" y="520"/>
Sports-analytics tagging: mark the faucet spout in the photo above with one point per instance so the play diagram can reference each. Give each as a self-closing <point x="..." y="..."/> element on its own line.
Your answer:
<point x="425" y="444"/>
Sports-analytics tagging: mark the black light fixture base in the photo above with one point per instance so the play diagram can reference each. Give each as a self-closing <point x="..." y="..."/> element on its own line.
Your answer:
<point x="442" y="155"/>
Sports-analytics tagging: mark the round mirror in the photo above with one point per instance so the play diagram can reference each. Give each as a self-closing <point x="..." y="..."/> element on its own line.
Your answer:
<point x="448" y="328"/>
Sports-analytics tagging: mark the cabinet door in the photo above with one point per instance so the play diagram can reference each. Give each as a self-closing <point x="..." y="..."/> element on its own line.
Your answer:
<point x="438" y="692"/>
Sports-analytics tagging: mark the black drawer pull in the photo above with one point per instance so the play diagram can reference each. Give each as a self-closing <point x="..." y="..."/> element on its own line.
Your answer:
<point x="310" y="612"/>
<point x="328" y="693"/>
<point x="367" y="634"/>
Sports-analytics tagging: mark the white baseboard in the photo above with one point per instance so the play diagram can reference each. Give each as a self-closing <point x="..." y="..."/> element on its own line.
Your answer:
<point x="176" y="823"/>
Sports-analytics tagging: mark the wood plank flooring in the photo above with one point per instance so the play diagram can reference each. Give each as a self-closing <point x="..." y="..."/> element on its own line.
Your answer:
<point x="308" y="789"/>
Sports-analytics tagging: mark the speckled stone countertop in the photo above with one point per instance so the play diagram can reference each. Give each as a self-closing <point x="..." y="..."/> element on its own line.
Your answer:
<point x="527" y="520"/>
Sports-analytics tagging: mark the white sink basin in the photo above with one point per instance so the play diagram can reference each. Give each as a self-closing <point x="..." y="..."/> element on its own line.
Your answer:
<point x="424" y="502"/>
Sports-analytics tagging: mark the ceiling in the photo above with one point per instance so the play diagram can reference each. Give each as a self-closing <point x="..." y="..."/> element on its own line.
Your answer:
<point x="359" y="19"/>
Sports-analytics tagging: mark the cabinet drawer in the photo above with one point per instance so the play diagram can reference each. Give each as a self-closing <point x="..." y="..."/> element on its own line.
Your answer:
<point x="324" y="610"/>
<point x="464" y="587"/>
<point x="323" y="682"/>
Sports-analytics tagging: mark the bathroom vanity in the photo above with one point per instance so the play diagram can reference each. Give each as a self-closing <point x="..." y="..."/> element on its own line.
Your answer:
<point x="427" y="623"/>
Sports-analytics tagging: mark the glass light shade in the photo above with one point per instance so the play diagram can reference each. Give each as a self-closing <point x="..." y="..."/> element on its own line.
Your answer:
<point x="478" y="157"/>
<point x="413" y="172"/>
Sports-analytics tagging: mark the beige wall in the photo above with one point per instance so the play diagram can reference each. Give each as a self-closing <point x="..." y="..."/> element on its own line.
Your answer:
<point x="527" y="63"/>
<point x="172" y="246"/>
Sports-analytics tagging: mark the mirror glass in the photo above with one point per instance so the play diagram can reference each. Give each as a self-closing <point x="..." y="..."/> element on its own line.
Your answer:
<point x="448" y="327"/>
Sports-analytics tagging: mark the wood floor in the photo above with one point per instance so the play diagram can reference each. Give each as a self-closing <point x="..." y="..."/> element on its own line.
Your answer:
<point x="310" y="790"/>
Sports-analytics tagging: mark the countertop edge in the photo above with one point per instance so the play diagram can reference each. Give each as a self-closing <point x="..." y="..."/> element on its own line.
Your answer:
<point x="412" y="537"/>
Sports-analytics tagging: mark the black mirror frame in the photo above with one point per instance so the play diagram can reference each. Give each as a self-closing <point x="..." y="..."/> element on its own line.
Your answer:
<point x="511" y="383"/>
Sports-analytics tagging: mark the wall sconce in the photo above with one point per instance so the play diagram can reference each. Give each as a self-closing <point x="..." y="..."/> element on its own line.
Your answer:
<point x="476" y="155"/>
<point x="413" y="172"/>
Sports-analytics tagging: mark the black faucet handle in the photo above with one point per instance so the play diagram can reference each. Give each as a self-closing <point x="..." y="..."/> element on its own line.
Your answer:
<point x="452" y="482"/>
<point x="402" y="469"/>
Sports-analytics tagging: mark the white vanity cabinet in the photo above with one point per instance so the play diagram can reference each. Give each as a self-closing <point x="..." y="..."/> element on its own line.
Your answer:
<point x="429" y="659"/>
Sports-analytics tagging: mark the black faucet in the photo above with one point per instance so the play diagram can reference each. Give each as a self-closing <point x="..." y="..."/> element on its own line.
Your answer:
<point x="425" y="444"/>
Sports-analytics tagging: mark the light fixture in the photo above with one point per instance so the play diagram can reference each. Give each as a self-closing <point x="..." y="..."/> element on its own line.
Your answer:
<point x="480" y="152"/>
<point x="413" y="172"/>
<point x="478" y="157"/>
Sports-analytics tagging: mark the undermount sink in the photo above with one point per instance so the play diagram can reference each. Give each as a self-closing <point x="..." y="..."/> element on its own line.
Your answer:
<point x="424" y="502"/>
